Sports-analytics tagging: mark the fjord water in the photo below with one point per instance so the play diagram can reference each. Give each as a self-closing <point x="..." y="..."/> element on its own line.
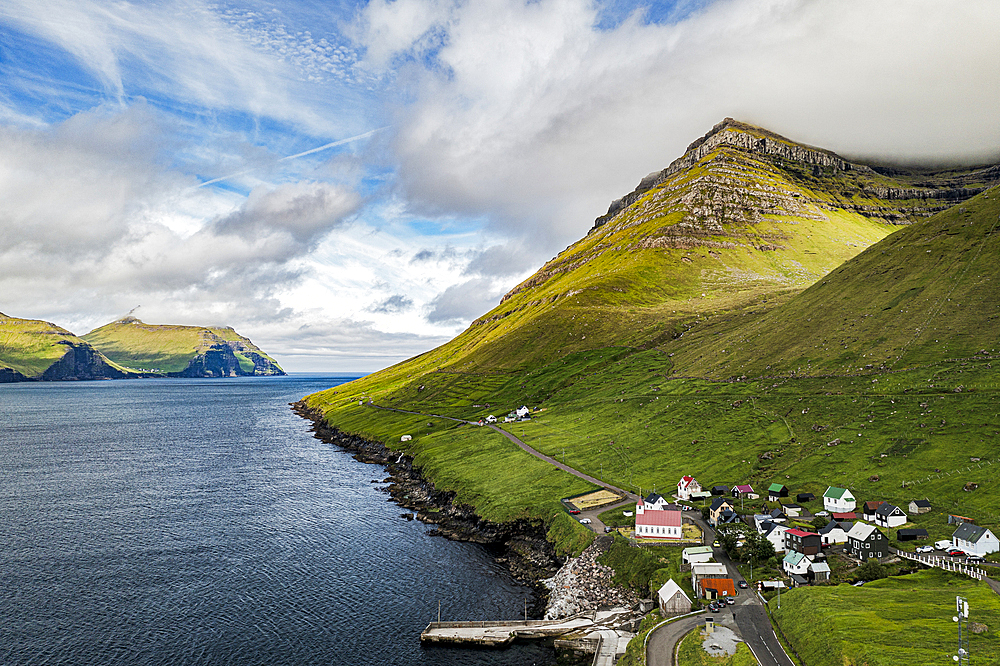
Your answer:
<point x="198" y="522"/>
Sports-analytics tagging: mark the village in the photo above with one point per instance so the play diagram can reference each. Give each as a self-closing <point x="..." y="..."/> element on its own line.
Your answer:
<point x="738" y="545"/>
<point x="802" y="538"/>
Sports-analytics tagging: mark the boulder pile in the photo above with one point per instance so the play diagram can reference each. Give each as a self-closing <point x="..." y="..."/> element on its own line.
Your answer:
<point x="584" y="584"/>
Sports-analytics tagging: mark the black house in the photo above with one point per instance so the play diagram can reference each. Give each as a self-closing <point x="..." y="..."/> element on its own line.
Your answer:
<point x="804" y="497"/>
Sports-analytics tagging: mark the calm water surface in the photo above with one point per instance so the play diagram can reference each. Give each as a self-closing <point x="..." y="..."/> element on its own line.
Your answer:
<point x="199" y="522"/>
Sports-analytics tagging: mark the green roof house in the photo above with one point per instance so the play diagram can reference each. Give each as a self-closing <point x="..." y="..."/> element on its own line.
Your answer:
<point x="839" y="500"/>
<point x="776" y="491"/>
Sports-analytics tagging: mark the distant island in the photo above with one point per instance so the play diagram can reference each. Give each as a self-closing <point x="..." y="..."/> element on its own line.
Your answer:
<point x="35" y="350"/>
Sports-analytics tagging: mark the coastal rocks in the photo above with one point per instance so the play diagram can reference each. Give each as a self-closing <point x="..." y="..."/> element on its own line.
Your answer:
<point x="520" y="544"/>
<point x="584" y="584"/>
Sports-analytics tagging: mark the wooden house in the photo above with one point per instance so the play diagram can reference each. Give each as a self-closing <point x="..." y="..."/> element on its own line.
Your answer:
<point x="800" y="541"/>
<point x="920" y="506"/>
<point x="776" y="491"/>
<point x="673" y="600"/>
<point x="865" y="542"/>
<point x="890" y="515"/>
<point x="838" y="499"/>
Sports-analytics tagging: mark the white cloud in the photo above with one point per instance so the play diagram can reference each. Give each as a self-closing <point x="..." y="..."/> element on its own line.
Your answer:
<point x="530" y="115"/>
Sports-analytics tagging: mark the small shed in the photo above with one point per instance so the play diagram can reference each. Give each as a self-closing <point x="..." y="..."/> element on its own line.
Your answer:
<point x="673" y="600"/>
<point x="776" y="491"/>
<point x="719" y="490"/>
<point x="805" y="497"/>
<point x="920" y="506"/>
<point x="911" y="534"/>
<point x="955" y="519"/>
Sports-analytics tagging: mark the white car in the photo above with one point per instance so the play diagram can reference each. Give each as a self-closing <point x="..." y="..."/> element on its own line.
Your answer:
<point x="822" y="513"/>
<point x="925" y="549"/>
<point x="585" y="521"/>
<point x="942" y="545"/>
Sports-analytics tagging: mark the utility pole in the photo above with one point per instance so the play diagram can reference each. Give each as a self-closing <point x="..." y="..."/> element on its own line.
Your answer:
<point x="962" y="610"/>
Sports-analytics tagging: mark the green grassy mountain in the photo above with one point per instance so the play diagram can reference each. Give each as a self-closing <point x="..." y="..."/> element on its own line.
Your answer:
<point x="34" y="349"/>
<point x="744" y="219"/>
<point x="871" y="378"/>
<point x="925" y="294"/>
<point x="181" y="351"/>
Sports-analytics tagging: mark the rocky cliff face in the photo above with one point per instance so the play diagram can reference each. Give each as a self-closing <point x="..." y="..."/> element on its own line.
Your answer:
<point x="756" y="143"/>
<point x="81" y="361"/>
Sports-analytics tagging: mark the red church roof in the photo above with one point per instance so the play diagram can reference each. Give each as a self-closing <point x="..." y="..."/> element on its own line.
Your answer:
<point x="659" y="518"/>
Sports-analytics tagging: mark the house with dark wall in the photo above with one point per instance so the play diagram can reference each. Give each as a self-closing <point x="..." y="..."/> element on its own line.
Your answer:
<point x="776" y="491"/>
<point x="865" y="542"/>
<point x="800" y="541"/>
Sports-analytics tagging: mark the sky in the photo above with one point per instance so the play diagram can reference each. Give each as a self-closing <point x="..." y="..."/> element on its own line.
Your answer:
<point x="352" y="183"/>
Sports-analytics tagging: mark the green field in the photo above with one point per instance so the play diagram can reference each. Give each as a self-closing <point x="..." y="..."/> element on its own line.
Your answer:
<point x="900" y="620"/>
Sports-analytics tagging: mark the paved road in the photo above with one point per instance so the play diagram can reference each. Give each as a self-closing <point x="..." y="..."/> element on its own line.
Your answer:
<point x="660" y="648"/>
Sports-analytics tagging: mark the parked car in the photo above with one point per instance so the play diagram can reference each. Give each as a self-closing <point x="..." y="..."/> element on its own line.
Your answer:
<point x="714" y="608"/>
<point x="955" y="552"/>
<point x="574" y="511"/>
<point x="925" y="549"/>
<point x="822" y="513"/>
<point x="742" y="585"/>
<point x="975" y="558"/>
<point x="942" y="545"/>
<point x="730" y="600"/>
<point x="585" y="521"/>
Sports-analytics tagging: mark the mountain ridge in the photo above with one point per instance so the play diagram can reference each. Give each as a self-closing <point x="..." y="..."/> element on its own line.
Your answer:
<point x="181" y="351"/>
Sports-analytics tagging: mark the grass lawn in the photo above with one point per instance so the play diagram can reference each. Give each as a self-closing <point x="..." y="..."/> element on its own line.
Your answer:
<point x="899" y="620"/>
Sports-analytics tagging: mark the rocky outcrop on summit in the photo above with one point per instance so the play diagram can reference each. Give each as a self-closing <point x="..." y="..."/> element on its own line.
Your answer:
<point x="761" y="143"/>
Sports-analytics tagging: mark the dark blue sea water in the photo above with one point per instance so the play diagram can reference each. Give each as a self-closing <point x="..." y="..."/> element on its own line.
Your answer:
<point x="199" y="522"/>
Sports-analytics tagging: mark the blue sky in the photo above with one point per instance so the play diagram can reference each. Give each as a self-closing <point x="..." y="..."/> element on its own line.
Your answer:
<point x="350" y="183"/>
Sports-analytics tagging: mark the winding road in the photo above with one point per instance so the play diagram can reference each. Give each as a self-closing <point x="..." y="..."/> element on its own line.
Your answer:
<point x="748" y="613"/>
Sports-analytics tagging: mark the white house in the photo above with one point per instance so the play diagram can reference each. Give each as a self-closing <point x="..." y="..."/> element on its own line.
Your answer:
<point x="657" y="523"/>
<point x="889" y="515"/>
<point x="673" y="600"/>
<point x="975" y="540"/>
<point x="405" y="438"/>
<point x="775" y="533"/>
<point x="696" y="554"/>
<point x="839" y="500"/>
<point x="796" y="563"/>
<point x="491" y="419"/>
<point x="834" y="532"/>
<point x="654" y="501"/>
<point x="523" y="412"/>
<point x="686" y="486"/>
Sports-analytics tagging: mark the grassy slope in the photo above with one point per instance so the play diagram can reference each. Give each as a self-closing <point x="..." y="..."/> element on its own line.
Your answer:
<point x="30" y="346"/>
<point x="900" y="620"/>
<point x="166" y="348"/>
<point x="926" y="293"/>
<point x="580" y="339"/>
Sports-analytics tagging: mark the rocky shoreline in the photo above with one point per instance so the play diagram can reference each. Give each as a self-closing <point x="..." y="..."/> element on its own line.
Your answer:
<point x="520" y="545"/>
<point x="563" y="586"/>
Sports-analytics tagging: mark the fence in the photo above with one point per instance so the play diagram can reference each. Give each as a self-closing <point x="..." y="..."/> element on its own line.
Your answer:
<point x="944" y="563"/>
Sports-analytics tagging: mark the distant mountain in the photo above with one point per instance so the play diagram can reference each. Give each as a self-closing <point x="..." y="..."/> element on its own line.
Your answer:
<point x="924" y="294"/>
<point x="181" y="351"/>
<point x="31" y="349"/>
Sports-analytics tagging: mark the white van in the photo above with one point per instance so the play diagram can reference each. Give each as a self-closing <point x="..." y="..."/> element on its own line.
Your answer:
<point x="942" y="545"/>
